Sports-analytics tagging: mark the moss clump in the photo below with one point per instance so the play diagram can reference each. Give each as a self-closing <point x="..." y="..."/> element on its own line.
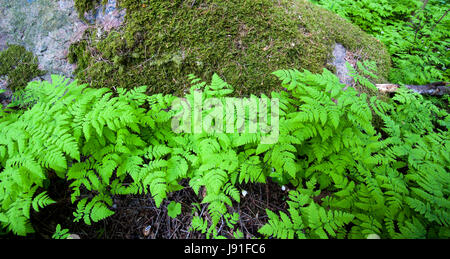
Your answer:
<point x="241" y="40"/>
<point x="19" y="66"/>
<point x="83" y="6"/>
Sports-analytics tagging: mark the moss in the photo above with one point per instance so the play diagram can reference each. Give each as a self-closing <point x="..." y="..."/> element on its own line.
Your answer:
<point x="83" y="6"/>
<point x="78" y="54"/>
<point x="334" y="28"/>
<point x="19" y="66"/>
<point x="241" y="40"/>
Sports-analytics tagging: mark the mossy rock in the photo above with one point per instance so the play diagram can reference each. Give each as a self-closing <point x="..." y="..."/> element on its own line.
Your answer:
<point x="243" y="41"/>
<point x="83" y="6"/>
<point x="19" y="66"/>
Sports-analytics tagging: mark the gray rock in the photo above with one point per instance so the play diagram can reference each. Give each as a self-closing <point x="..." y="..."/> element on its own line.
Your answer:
<point x="48" y="27"/>
<point x="340" y="55"/>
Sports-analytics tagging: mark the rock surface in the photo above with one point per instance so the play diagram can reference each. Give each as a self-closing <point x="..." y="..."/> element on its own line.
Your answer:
<point x="340" y="59"/>
<point x="48" y="27"/>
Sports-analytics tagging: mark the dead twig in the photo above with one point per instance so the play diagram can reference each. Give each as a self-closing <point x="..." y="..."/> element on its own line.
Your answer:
<point x="437" y="88"/>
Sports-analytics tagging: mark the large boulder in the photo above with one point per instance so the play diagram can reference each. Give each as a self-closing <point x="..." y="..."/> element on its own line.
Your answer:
<point x="243" y="41"/>
<point x="162" y="41"/>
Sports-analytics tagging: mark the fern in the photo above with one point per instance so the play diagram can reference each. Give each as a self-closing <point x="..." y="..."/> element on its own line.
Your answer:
<point x="312" y="221"/>
<point x="93" y="211"/>
<point x="60" y="233"/>
<point x="352" y="177"/>
<point x="41" y="200"/>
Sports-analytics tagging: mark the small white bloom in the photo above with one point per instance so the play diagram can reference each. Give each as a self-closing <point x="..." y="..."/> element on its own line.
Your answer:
<point x="283" y="188"/>
<point x="244" y="193"/>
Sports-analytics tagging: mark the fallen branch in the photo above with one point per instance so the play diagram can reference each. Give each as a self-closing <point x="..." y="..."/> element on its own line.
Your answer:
<point x="438" y="88"/>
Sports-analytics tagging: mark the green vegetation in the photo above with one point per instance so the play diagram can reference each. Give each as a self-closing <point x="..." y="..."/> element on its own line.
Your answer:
<point x="243" y="41"/>
<point x="83" y="6"/>
<point x="19" y="66"/>
<point x="174" y="209"/>
<point x="61" y="233"/>
<point x="357" y="164"/>
<point x="415" y="32"/>
<point x="391" y="181"/>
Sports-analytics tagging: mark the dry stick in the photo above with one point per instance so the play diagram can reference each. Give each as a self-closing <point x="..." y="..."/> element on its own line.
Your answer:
<point x="159" y="223"/>
<point x="178" y="226"/>
<point x="221" y="225"/>
<point x="437" y="88"/>
<point x="446" y="12"/>
<point x="186" y="231"/>
<point x="240" y="218"/>
<point x="248" y="232"/>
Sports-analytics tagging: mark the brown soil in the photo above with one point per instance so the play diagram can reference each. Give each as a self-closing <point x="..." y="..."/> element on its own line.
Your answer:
<point x="137" y="217"/>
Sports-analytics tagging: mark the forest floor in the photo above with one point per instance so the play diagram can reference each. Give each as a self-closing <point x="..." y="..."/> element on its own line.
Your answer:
<point x="137" y="217"/>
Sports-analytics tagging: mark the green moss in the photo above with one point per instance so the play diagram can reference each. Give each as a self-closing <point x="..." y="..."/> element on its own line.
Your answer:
<point x="78" y="54"/>
<point x="19" y="66"/>
<point x="83" y="6"/>
<point x="243" y="41"/>
<point x="331" y="27"/>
